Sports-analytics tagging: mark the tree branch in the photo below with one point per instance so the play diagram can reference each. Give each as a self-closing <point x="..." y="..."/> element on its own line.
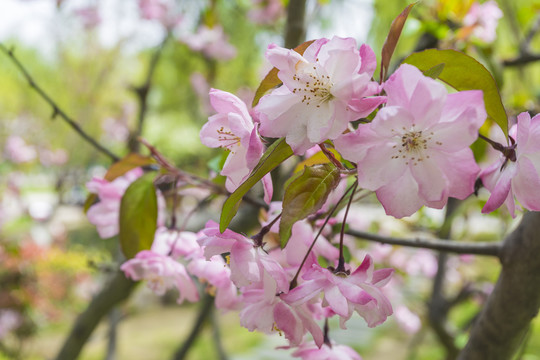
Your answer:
<point x="475" y="248"/>
<point x="515" y="300"/>
<point x="207" y="303"/>
<point x="523" y="59"/>
<point x="57" y="111"/>
<point x="142" y="95"/>
<point x="114" y="292"/>
<point x="295" y="30"/>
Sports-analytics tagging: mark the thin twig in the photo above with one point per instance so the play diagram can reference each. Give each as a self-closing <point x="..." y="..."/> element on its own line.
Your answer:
<point x="57" y="111"/>
<point x="475" y="248"/>
<point x="142" y="95"/>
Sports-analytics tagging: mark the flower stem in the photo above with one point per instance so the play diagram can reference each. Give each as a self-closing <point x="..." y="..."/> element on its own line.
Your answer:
<point x="331" y="157"/>
<point x="258" y="238"/>
<point x="294" y="280"/>
<point x="341" y="262"/>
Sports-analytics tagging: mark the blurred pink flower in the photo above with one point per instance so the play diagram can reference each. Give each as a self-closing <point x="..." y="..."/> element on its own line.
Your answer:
<point x="53" y="157"/>
<point x="266" y="12"/>
<point x="9" y="321"/>
<point x="407" y="320"/>
<point x="416" y="151"/>
<point x="162" y="273"/>
<point x="18" y="151"/>
<point x="89" y="16"/>
<point x="211" y="42"/>
<point x="517" y="178"/>
<point x="310" y="351"/>
<point x="160" y="10"/>
<point x="323" y="90"/>
<point x="484" y="17"/>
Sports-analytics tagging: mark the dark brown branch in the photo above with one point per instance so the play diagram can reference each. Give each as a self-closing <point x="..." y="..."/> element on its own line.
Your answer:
<point x="113" y="293"/>
<point x="207" y="304"/>
<point x="475" y="248"/>
<point x="515" y="300"/>
<point x="57" y="111"/>
<point x="142" y="96"/>
<point x="295" y="29"/>
<point x="523" y="59"/>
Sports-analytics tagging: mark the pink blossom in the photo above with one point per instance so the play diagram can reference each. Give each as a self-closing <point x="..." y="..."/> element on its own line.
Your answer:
<point x="162" y="273"/>
<point x="105" y="214"/>
<point x="345" y="293"/>
<point x="218" y="275"/>
<point x="233" y="129"/>
<point x="322" y="91"/>
<point x="301" y="238"/>
<point x="416" y="150"/>
<point x="18" y="151"/>
<point x="53" y="157"/>
<point x="265" y="311"/>
<point x="266" y="12"/>
<point x="407" y="320"/>
<point x="310" y="351"/>
<point x="9" y="321"/>
<point x="509" y="180"/>
<point x="176" y="243"/>
<point x="484" y="17"/>
<point x="159" y="10"/>
<point x="211" y="41"/>
<point x="89" y="16"/>
<point x="248" y="263"/>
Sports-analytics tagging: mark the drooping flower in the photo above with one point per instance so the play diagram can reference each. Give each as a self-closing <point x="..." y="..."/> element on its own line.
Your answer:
<point x="248" y="263"/>
<point x="416" y="150"/>
<point x="310" y="351"/>
<point x="518" y="177"/>
<point x="161" y="273"/>
<point x="218" y="275"/>
<point x="344" y="293"/>
<point x="233" y="129"/>
<point x="484" y="19"/>
<point x="265" y="311"/>
<point x="322" y="91"/>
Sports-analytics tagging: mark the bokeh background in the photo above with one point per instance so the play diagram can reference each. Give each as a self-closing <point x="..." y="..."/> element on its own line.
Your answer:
<point x="91" y="56"/>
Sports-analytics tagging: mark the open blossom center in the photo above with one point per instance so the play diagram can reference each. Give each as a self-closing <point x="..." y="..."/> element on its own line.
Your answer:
<point x="414" y="145"/>
<point x="228" y="139"/>
<point x="314" y="87"/>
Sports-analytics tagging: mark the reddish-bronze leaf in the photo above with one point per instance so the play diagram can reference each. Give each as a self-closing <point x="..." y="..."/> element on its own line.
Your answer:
<point x="392" y="39"/>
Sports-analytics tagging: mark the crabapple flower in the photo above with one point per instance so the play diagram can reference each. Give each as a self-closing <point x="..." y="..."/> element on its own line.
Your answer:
<point x="212" y="42"/>
<point x="105" y="214"/>
<point x="266" y="12"/>
<point x="248" y="263"/>
<point x="345" y="293"/>
<point x="218" y="275"/>
<point x="484" y="18"/>
<point x="162" y="273"/>
<point x="176" y="243"/>
<point x="233" y="129"/>
<point x="18" y="151"/>
<point x="519" y="178"/>
<point x="266" y="312"/>
<point x="323" y="90"/>
<point x="416" y="150"/>
<point x="310" y="351"/>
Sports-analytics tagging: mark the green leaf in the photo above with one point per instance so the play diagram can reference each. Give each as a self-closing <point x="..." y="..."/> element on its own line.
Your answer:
<point x="392" y="40"/>
<point x="276" y="153"/>
<point x="435" y="71"/>
<point x="119" y="168"/>
<point x="306" y="194"/>
<point x="271" y="79"/>
<point x="138" y="216"/>
<point x="463" y="72"/>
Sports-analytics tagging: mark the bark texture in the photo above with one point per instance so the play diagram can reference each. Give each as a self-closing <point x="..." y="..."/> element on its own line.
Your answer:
<point x="515" y="300"/>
